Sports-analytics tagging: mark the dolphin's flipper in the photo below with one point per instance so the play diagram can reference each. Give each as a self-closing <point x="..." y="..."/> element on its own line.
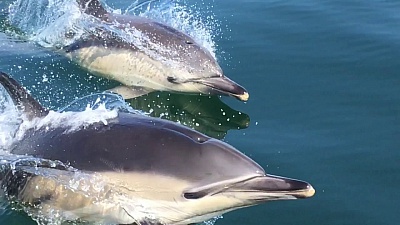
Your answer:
<point x="130" y="92"/>
<point x="21" y="98"/>
<point x="18" y="183"/>
<point x="55" y="185"/>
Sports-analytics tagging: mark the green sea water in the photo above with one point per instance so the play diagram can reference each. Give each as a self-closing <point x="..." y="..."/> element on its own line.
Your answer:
<point x="324" y="84"/>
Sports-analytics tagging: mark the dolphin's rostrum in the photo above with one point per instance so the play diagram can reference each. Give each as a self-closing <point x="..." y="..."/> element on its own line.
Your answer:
<point x="164" y="173"/>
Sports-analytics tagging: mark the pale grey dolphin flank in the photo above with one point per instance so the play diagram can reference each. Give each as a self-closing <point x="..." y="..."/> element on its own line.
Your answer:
<point x="162" y="59"/>
<point x="164" y="172"/>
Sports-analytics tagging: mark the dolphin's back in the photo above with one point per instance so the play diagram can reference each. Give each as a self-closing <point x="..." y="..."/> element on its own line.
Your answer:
<point x="133" y="143"/>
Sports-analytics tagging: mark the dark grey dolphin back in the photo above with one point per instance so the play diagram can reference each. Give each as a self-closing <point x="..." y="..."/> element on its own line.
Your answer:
<point x="176" y="45"/>
<point x="141" y="144"/>
<point x="100" y="38"/>
<point x="21" y="98"/>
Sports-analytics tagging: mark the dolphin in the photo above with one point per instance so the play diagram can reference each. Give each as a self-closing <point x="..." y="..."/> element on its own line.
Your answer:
<point x="155" y="171"/>
<point x="160" y="58"/>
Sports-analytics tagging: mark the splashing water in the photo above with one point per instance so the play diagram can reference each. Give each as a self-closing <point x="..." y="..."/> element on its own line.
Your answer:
<point x="46" y="22"/>
<point x="9" y="120"/>
<point x="71" y="120"/>
<point x="176" y="14"/>
<point x="58" y="23"/>
<point x="57" y="176"/>
<point x="107" y="99"/>
<point x="81" y="112"/>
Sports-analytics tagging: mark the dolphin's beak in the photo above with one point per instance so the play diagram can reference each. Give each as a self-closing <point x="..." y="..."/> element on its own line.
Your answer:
<point x="268" y="187"/>
<point x="224" y="85"/>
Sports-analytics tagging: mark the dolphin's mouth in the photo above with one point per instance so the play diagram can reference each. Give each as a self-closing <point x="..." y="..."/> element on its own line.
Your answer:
<point x="269" y="187"/>
<point x="257" y="189"/>
<point x="223" y="85"/>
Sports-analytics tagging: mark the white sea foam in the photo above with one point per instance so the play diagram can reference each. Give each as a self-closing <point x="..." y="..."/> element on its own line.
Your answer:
<point x="47" y="22"/>
<point x="9" y="120"/>
<point x="177" y="14"/>
<point x="72" y="121"/>
<point x="14" y="125"/>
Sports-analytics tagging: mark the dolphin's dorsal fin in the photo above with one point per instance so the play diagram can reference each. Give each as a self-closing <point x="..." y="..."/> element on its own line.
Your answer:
<point x="21" y="98"/>
<point x="94" y="8"/>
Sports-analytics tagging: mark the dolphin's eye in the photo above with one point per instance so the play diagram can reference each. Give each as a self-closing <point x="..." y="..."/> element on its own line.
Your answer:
<point x="194" y="195"/>
<point x="172" y="80"/>
<point x="216" y="76"/>
<point x="189" y="42"/>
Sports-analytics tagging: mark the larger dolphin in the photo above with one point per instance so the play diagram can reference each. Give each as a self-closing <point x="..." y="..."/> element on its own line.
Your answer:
<point x="162" y="58"/>
<point x="157" y="171"/>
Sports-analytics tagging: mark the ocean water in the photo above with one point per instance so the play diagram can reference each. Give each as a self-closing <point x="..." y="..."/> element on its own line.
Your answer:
<point x="324" y="84"/>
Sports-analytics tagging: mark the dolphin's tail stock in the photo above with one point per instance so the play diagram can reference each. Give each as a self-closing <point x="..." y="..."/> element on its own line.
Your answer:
<point x="21" y="98"/>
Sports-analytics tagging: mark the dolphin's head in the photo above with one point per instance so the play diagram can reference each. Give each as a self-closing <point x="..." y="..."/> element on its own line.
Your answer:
<point x="194" y="69"/>
<point x="191" y="68"/>
<point x="236" y="182"/>
<point x="213" y="200"/>
<point x="191" y="178"/>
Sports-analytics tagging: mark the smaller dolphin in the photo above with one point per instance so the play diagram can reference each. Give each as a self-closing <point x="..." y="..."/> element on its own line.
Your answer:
<point x="161" y="58"/>
<point x="156" y="171"/>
